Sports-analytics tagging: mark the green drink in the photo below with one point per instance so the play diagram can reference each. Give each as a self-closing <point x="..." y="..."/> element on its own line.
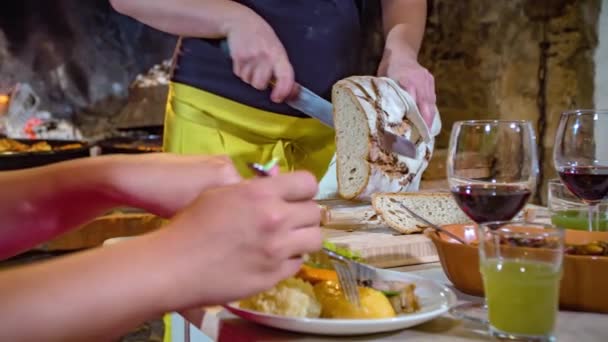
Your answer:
<point x="578" y="220"/>
<point x="521" y="283"/>
<point x="522" y="296"/>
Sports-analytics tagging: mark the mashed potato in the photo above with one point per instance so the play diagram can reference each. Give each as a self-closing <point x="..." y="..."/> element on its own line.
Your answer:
<point x="291" y="297"/>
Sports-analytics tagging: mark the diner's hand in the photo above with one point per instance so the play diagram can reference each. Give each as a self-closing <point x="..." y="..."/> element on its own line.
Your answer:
<point x="165" y="183"/>
<point x="238" y="240"/>
<point x="259" y="56"/>
<point x="400" y="63"/>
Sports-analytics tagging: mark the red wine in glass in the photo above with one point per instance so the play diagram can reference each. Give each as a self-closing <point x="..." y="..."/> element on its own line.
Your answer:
<point x="589" y="183"/>
<point x="487" y="203"/>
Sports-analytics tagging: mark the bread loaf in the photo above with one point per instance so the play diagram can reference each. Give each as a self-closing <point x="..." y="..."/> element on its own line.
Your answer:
<point x="364" y="107"/>
<point x="439" y="208"/>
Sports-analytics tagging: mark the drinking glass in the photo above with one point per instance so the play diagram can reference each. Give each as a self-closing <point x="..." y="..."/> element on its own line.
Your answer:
<point x="492" y="167"/>
<point x="567" y="211"/>
<point x="580" y="156"/>
<point x="521" y="265"/>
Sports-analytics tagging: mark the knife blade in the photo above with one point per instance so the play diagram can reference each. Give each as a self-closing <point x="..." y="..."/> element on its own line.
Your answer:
<point x="313" y="105"/>
<point x="317" y="107"/>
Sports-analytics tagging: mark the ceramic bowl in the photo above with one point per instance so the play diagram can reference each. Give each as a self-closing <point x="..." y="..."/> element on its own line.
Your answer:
<point x="584" y="281"/>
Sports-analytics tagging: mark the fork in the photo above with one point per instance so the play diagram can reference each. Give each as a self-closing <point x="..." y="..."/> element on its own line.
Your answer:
<point x="347" y="276"/>
<point x="347" y="273"/>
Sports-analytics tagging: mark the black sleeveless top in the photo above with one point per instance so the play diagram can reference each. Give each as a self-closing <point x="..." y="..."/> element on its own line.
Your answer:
<point x="321" y="37"/>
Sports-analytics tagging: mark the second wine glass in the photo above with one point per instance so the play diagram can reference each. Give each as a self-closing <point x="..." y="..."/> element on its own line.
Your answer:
<point x="580" y="157"/>
<point x="492" y="167"/>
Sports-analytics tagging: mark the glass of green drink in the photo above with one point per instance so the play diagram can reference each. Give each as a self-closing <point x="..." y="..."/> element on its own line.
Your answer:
<point x="520" y="264"/>
<point x="569" y="212"/>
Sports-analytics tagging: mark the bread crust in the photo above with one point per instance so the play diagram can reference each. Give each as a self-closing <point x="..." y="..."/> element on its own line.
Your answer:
<point x="386" y="105"/>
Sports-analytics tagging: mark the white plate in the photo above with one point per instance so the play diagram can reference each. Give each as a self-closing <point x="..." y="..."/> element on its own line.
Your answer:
<point x="435" y="300"/>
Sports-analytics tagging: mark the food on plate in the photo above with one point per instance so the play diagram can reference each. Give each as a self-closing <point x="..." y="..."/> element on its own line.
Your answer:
<point x="364" y="108"/>
<point x="315" y="292"/>
<point x="438" y="207"/>
<point x="374" y="304"/>
<point x="596" y="248"/>
<point x="314" y="275"/>
<point x="139" y="146"/>
<point x="9" y="145"/>
<point x="401" y="295"/>
<point x="67" y="147"/>
<point x="292" y="297"/>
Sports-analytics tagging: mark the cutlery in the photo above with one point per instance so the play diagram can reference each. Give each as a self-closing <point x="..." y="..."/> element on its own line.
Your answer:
<point x="313" y="105"/>
<point x="434" y="226"/>
<point x="342" y="265"/>
<point x="346" y="270"/>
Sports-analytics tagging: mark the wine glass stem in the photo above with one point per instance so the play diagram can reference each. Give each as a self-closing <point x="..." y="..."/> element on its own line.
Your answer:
<point x="481" y="260"/>
<point x="594" y="217"/>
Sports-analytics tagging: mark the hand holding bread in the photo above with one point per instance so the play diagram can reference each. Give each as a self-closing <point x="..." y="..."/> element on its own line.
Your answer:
<point x="364" y="106"/>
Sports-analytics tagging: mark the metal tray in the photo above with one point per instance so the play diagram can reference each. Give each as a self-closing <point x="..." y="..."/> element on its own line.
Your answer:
<point x="134" y="140"/>
<point x="25" y="160"/>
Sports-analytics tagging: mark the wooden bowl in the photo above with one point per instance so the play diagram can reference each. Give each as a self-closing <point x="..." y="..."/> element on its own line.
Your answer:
<point x="584" y="280"/>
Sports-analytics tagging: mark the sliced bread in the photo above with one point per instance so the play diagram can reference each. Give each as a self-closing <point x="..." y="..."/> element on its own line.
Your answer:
<point x="364" y="108"/>
<point x="438" y="207"/>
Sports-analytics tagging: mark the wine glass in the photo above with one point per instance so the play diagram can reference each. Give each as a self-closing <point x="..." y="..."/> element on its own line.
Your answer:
<point x="492" y="167"/>
<point x="580" y="156"/>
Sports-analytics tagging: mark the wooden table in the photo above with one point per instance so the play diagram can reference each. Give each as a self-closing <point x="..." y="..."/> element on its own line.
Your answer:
<point x="219" y="325"/>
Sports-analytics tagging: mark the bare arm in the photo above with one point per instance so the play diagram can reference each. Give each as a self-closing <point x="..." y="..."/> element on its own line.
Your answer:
<point x="39" y="204"/>
<point x="256" y="52"/>
<point x="403" y="22"/>
<point x="91" y="296"/>
<point x="194" y="261"/>
<point x="192" y="18"/>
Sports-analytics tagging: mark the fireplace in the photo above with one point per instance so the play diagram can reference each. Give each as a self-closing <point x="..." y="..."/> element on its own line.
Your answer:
<point x="82" y="60"/>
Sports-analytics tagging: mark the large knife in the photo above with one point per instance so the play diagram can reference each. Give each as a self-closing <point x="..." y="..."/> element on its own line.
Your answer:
<point x="313" y="105"/>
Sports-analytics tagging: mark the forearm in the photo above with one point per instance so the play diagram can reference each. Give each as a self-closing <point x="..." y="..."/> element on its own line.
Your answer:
<point x="91" y="296"/>
<point x="191" y="18"/>
<point x="404" y="22"/>
<point x="39" y="204"/>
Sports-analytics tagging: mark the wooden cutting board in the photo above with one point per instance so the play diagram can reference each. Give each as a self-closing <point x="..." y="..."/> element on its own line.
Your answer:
<point x="353" y="225"/>
<point x="381" y="246"/>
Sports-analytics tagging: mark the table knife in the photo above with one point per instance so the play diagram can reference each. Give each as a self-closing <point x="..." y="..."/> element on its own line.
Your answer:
<point x="313" y="105"/>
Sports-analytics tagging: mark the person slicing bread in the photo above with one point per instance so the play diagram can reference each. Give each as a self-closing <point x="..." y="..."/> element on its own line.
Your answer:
<point x="220" y="105"/>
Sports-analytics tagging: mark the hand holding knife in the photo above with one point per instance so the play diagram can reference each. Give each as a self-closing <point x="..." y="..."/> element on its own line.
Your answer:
<point x="313" y="105"/>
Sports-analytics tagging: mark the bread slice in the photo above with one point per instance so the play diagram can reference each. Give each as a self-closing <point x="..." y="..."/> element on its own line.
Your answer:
<point x="439" y="208"/>
<point x="364" y="108"/>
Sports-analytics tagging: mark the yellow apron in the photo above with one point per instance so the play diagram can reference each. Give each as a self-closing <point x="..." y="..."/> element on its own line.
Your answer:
<point x="198" y="122"/>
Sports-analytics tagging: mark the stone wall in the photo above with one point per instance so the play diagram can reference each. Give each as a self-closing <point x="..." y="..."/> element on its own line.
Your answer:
<point x="516" y="59"/>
